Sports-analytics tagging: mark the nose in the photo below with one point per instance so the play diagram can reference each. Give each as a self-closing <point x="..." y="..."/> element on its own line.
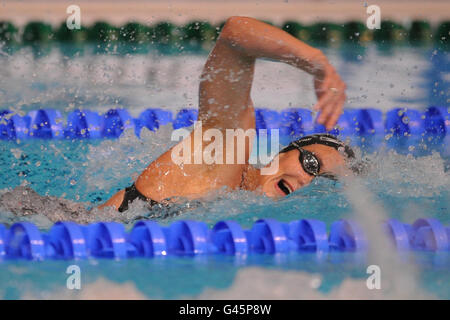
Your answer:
<point x="304" y="178"/>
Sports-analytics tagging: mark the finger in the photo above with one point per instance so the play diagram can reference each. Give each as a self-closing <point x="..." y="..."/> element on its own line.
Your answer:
<point x="325" y="112"/>
<point x="321" y="86"/>
<point x="331" y="85"/>
<point x="326" y="95"/>
<point x="333" y="119"/>
<point x="330" y="105"/>
<point x="320" y="92"/>
<point x="337" y="112"/>
<point x="321" y="108"/>
<point x="326" y="102"/>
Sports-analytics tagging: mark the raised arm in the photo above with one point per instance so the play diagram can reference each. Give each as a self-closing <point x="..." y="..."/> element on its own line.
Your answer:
<point x="228" y="74"/>
<point x="225" y="104"/>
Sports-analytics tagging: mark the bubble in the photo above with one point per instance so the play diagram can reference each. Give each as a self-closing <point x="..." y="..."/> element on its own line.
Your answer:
<point x="315" y="282"/>
<point x="405" y="120"/>
<point x="17" y="153"/>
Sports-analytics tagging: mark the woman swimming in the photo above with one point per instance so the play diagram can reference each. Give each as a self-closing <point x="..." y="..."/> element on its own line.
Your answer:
<point x="225" y="103"/>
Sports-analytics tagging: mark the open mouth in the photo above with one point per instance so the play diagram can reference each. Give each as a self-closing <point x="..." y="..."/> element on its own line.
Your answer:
<point x="284" y="186"/>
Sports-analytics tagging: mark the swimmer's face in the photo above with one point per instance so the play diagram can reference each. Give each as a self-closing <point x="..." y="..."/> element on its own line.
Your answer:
<point x="291" y="175"/>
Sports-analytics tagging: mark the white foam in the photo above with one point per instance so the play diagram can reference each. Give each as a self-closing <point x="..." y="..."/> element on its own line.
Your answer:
<point x="262" y="284"/>
<point x="124" y="158"/>
<point x="101" y="289"/>
<point x="406" y="175"/>
<point x="157" y="80"/>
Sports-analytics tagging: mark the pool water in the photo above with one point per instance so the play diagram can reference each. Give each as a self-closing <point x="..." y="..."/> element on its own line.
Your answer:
<point x="408" y="183"/>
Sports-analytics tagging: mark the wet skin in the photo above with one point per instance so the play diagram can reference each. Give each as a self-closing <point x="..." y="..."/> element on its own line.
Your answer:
<point x="225" y="103"/>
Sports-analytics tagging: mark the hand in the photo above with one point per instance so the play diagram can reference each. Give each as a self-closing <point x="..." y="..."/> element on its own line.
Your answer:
<point x="330" y="91"/>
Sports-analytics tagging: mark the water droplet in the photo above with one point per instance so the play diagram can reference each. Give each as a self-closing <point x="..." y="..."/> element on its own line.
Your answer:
<point x="405" y="120"/>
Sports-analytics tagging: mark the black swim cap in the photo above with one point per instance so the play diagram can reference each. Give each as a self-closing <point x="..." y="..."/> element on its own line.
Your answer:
<point x="321" y="138"/>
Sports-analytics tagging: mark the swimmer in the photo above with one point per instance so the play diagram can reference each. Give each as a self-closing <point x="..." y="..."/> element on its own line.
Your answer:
<point x="225" y="103"/>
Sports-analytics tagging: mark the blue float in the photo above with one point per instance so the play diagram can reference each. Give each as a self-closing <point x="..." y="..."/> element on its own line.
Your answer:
<point x="188" y="238"/>
<point x="107" y="240"/>
<point x="430" y="235"/>
<point x="147" y="239"/>
<point x="309" y="235"/>
<point x="115" y="121"/>
<point x="346" y="235"/>
<point x="66" y="240"/>
<point x="320" y="128"/>
<point x="361" y="122"/>
<point x="403" y="122"/>
<point x="445" y="113"/>
<point x="434" y="122"/>
<point x="400" y="234"/>
<point x="46" y="124"/>
<point x="370" y="121"/>
<point x="24" y="241"/>
<point x="229" y="238"/>
<point x="268" y="236"/>
<point x="185" y="118"/>
<point x="296" y="122"/>
<point x="267" y="119"/>
<point x="407" y="126"/>
<point x="347" y="122"/>
<point x="83" y="124"/>
<point x="13" y="126"/>
<point x="2" y="241"/>
<point x="152" y="119"/>
<point x="448" y="236"/>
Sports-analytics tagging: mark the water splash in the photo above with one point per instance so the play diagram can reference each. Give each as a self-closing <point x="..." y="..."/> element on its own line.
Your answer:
<point x="406" y="175"/>
<point x="114" y="161"/>
<point x="397" y="277"/>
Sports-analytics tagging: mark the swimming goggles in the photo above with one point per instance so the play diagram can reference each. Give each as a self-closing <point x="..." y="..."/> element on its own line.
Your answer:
<point x="309" y="162"/>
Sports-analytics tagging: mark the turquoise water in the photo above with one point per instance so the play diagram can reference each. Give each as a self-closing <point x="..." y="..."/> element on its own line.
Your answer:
<point x="407" y="183"/>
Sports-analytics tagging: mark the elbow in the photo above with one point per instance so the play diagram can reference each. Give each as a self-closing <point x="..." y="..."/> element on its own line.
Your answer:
<point x="233" y="27"/>
<point x="236" y="20"/>
<point x="233" y="21"/>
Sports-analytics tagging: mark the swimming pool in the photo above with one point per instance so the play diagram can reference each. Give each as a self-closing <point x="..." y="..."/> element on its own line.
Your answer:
<point x="408" y="182"/>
